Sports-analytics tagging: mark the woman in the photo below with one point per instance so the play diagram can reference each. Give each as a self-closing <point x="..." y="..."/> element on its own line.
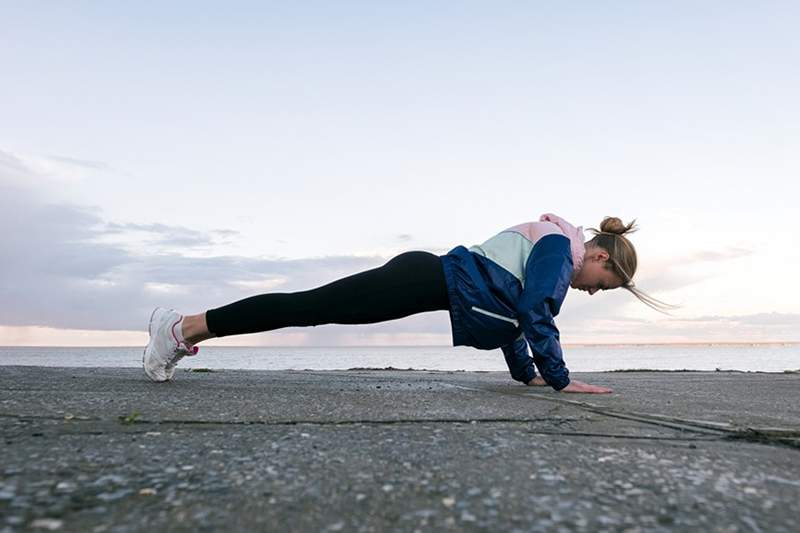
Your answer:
<point x="503" y="294"/>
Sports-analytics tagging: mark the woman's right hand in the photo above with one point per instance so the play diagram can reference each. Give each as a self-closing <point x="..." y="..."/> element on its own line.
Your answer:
<point x="580" y="386"/>
<point x="538" y="381"/>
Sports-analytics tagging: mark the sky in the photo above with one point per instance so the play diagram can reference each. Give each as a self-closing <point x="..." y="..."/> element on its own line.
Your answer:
<point x="191" y="154"/>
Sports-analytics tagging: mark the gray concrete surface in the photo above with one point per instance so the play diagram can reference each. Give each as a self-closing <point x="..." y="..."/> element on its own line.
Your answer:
<point x="103" y="449"/>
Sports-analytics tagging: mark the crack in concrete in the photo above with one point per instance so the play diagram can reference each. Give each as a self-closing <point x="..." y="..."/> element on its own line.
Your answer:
<point x="781" y="436"/>
<point x="119" y="426"/>
<point x="552" y="420"/>
<point x="128" y="428"/>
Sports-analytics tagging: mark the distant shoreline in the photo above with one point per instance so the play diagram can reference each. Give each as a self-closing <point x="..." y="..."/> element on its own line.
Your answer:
<point x="411" y="369"/>
<point x="564" y="344"/>
<point x="621" y="370"/>
<point x="771" y="343"/>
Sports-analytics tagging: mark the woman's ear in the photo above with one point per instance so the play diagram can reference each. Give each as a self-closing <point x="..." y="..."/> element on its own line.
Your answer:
<point x="596" y="254"/>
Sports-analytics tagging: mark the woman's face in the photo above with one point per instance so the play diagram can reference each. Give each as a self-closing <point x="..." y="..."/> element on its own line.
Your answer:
<point x="592" y="276"/>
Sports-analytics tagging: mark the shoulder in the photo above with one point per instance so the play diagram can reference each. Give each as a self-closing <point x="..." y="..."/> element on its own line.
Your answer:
<point x="536" y="230"/>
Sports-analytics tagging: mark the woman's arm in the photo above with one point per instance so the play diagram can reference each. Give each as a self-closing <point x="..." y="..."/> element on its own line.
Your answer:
<point x="548" y="272"/>
<point x="520" y="364"/>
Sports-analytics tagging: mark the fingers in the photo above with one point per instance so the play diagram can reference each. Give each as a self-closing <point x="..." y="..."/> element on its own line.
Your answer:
<point x="586" y="389"/>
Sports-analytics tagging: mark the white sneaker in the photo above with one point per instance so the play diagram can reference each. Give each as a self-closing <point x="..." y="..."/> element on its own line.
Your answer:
<point x="167" y="345"/>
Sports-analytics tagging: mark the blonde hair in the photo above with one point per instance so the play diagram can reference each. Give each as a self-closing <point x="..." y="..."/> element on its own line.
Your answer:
<point x="622" y="258"/>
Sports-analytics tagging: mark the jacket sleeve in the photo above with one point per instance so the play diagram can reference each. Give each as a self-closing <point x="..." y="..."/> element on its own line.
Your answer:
<point x="547" y="274"/>
<point x="519" y="362"/>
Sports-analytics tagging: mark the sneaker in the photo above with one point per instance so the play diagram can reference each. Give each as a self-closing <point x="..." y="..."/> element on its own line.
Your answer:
<point x="166" y="346"/>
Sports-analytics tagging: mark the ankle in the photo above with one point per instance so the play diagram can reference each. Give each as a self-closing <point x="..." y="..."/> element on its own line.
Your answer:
<point x="195" y="329"/>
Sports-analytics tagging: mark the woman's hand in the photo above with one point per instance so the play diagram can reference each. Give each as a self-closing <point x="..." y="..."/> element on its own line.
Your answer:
<point x="537" y="382"/>
<point x="580" y="386"/>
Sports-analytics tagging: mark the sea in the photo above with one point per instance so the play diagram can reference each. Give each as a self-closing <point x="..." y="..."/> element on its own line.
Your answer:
<point x="772" y="357"/>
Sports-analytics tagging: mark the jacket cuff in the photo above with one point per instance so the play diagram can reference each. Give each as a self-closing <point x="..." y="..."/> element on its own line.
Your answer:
<point x="559" y="384"/>
<point x="529" y="375"/>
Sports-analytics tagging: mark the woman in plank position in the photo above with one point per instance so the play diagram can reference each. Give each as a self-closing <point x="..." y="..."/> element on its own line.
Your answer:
<point x="503" y="293"/>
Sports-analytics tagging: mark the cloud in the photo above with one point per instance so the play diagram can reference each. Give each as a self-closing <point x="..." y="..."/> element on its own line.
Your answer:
<point x="730" y="252"/>
<point x="171" y="236"/>
<point x="665" y="280"/>
<point x="30" y="170"/>
<point x="744" y="328"/>
<point x="680" y="272"/>
<point x="604" y="317"/>
<point x="92" y="165"/>
<point x="757" y="319"/>
<point x="64" y="266"/>
<point x="12" y="167"/>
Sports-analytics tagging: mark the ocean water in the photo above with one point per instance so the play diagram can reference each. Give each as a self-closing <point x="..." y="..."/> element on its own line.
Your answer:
<point x="587" y="358"/>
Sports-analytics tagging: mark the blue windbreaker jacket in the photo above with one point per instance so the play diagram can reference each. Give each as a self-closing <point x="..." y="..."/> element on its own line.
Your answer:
<point x="505" y="294"/>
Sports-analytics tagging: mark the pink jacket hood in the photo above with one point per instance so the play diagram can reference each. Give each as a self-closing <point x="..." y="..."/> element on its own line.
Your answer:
<point x="576" y="239"/>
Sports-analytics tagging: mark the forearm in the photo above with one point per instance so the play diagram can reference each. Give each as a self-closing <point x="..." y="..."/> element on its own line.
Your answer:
<point x="520" y="364"/>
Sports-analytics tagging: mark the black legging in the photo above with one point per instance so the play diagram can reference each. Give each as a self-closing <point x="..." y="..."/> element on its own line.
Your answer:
<point x="409" y="283"/>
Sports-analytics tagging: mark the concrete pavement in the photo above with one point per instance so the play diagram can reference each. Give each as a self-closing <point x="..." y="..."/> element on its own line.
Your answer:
<point x="104" y="449"/>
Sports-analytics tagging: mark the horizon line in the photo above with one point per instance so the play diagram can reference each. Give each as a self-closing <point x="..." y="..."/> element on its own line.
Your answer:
<point x="566" y="344"/>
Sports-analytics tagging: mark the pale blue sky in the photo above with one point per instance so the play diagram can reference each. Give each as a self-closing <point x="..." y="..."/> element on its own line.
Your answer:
<point x="191" y="154"/>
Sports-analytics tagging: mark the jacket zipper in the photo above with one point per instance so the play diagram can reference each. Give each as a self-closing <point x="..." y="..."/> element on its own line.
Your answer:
<point x="501" y="317"/>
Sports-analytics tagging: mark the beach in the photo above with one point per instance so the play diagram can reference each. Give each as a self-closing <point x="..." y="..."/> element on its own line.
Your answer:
<point x="104" y="449"/>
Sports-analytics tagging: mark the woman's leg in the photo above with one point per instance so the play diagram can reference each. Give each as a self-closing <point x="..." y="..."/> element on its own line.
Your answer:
<point x="412" y="282"/>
